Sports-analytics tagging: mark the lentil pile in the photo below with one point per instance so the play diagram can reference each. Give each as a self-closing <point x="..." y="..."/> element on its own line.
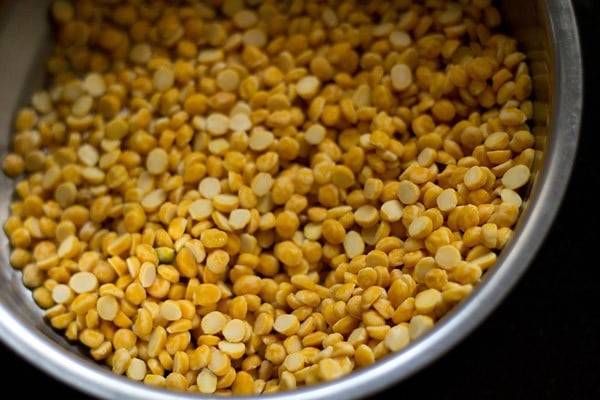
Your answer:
<point x="252" y="196"/>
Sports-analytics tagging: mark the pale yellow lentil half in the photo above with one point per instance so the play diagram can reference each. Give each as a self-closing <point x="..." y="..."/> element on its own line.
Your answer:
<point x="243" y="197"/>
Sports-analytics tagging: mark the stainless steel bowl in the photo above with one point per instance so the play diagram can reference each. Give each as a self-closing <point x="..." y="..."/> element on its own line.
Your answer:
<point x="548" y="32"/>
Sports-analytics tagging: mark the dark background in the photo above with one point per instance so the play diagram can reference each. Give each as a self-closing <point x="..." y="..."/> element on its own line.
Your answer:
<point x="543" y="341"/>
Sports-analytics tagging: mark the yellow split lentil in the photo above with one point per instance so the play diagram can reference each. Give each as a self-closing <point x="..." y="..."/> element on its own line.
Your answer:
<point x="243" y="197"/>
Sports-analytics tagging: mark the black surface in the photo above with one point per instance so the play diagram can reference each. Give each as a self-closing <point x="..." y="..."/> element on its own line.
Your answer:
<point x="543" y="341"/>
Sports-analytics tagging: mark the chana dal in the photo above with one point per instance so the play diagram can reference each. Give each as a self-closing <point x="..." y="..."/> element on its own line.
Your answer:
<point x="244" y="197"/>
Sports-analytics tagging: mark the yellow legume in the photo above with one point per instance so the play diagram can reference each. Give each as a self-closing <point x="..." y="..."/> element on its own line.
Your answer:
<point x="252" y="200"/>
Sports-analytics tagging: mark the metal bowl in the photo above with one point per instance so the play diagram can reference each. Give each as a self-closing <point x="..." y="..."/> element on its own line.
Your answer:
<point x="547" y="31"/>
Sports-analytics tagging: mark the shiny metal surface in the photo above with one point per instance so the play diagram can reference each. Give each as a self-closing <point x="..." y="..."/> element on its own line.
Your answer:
<point x="547" y="30"/>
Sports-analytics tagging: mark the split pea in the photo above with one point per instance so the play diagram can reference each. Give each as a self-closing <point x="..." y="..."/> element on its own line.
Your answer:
<point x="246" y="199"/>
